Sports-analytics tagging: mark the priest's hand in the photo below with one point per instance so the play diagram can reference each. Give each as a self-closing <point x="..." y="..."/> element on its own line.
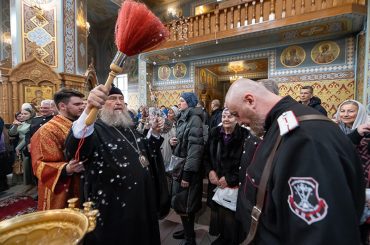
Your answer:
<point x="74" y="166"/>
<point x="97" y="97"/>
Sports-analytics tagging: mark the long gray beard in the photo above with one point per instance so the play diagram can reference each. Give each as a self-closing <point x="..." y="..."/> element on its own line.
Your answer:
<point x="116" y="118"/>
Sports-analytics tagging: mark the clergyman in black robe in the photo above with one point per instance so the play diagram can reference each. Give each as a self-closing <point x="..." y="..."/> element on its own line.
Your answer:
<point x="124" y="174"/>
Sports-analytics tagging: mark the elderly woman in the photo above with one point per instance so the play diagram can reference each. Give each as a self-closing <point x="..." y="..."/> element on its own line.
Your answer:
<point x="224" y="153"/>
<point x="188" y="144"/>
<point x="20" y="127"/>
<point x="169" y="132"/>
<point x="352" y="120"/>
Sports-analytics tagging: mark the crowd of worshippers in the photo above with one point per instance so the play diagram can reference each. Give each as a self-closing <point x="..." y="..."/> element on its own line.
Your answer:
<point x="279" y="171"/>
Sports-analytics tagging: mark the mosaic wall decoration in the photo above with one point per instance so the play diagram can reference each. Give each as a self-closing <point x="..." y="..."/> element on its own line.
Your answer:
<point x="69" y="36"/>
<point x="292" y="56"/>
<point x="325" y="52"/>
<point x="179" y="70"/>
<point x="339" y="56"/>
<point x="315" y="30"/>
<point x="316" y="77"/>
<point x="39" y="27"/>
<point x="170" y="97"/>
<point x="171" y="74"/>
<point x="164" y="72"/>
<point x="5" y="38"/>
<point x="331" y="93"/>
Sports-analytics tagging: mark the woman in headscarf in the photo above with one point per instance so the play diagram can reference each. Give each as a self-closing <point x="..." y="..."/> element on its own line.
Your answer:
<point x="188" y="144"/>
<point x="20" y="128"/>
<point x="352" y="120"/>
<point x="168" y="132"/>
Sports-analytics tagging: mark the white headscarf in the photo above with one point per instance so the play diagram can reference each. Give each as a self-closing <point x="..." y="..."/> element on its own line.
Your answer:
<point x="360" y="119"/>
<point x="26" y="106"/>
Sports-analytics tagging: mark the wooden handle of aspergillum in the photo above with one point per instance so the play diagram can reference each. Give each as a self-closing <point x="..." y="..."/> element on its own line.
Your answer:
<point x="116" y="68"/>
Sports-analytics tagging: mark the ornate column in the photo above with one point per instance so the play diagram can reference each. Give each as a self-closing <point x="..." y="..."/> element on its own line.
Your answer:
<point x="142" y="82"/>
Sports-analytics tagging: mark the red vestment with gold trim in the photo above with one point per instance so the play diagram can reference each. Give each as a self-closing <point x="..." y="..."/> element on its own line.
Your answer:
<point x="48" y="161"/>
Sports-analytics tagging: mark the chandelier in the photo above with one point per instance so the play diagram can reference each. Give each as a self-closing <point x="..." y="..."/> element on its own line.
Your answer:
<point x="235" y="77"/>
<point x="236" y="66"/>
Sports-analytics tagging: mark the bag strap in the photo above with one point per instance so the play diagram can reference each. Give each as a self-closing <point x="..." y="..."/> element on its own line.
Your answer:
<point x="261" y="192"/>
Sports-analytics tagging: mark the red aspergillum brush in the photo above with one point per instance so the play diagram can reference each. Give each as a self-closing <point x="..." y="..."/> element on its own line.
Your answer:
<point x="137" y="30"/>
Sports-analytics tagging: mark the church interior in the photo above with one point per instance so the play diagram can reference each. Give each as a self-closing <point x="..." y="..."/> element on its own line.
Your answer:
<point x="46" y="45"/>
<point x="49" y="44"/>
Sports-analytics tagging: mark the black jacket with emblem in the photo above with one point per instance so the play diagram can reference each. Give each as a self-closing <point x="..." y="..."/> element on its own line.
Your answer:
<point x="315" y="194"/>
<point x="189" y="134"/>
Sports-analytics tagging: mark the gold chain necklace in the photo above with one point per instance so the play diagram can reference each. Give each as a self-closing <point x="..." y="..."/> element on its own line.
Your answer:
<point x="142" y="159"/>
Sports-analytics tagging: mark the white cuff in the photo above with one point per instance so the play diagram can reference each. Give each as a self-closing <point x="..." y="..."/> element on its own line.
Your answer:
<point x="79" y="126"/>
<point x="151" y="134"/>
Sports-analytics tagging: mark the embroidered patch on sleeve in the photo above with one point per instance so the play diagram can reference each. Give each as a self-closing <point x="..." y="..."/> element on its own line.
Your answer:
<point x="304" y="200"/>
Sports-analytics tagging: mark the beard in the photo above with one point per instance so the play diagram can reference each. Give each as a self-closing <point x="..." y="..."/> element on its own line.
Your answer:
<point x="116" y="118"/>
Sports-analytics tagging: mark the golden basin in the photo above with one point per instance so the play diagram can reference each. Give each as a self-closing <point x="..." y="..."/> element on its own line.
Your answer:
<point x="51" y="227"/>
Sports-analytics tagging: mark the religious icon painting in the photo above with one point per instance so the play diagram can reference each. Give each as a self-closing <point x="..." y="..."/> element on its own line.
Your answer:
<point x="292" y="56"/>
<point x="179" y="70"/>
<point x="325" y="52"/>
<point x="36" y="94"/>
<point x="164" y="72"/>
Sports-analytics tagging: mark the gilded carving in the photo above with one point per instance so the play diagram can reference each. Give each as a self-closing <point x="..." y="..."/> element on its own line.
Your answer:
<point x="34" y="70"/>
